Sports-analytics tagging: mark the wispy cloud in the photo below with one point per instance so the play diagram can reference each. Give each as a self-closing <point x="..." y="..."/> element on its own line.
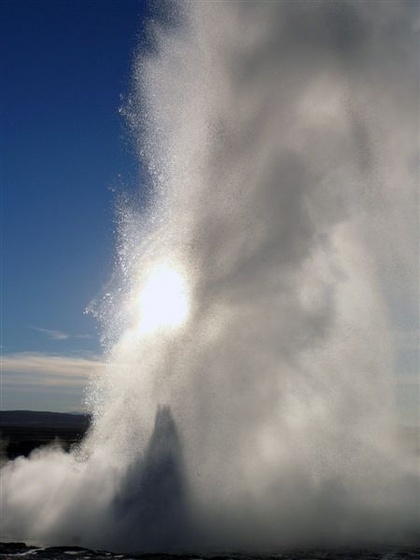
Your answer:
<point x="54" y="334"/>
<point x="39" y="369"/>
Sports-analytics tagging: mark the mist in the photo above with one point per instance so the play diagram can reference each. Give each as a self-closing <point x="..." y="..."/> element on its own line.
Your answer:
<point x="247" y="400"/>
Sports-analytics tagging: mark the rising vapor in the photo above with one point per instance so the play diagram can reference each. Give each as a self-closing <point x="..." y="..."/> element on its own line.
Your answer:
<point x="280" y="141"/>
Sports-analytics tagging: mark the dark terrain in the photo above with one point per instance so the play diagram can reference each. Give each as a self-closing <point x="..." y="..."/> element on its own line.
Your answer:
<point x="13" y="551"/>
<point x="21" y="431"/>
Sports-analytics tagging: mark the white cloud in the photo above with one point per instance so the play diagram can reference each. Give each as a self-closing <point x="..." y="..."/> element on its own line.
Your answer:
<point x="39" y="369"/>
<point x="54" y="334"/>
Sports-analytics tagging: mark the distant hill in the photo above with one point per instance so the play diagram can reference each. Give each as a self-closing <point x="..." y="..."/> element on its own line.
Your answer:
<point x="21" y="431"/>
<point x="36" y="418"/>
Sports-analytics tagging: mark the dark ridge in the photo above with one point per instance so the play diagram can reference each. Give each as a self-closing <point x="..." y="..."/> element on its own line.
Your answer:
<point x="22" y="431"/>
<point x="37" y="418"/>
<point x="16" y="550"/>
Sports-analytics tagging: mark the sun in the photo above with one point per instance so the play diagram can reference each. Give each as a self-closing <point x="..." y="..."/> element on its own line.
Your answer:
<point x="163" y="301"/>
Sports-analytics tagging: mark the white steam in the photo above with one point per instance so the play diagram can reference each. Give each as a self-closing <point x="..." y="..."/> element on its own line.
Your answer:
<point x="248" y="399"/>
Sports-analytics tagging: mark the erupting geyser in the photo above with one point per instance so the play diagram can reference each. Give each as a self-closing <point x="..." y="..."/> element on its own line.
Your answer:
<point x="163" y="300"/>
<point x="247" y="401"/>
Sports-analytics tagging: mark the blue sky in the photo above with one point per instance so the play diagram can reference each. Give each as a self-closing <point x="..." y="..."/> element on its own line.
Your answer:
<point x="65" y="149"/>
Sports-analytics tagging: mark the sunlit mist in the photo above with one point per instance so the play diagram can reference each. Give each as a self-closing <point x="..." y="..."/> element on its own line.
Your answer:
<point x="163" y="300"/>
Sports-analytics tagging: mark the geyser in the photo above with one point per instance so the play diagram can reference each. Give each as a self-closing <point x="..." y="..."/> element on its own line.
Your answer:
<point x="163" y="300"/>
<point x="248" y="400"/>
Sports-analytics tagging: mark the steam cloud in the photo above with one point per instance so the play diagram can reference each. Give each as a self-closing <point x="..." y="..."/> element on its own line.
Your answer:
<point x="281" y="145"/>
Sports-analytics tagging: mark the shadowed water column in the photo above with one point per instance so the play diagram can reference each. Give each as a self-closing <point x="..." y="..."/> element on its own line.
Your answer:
<point x="151" y="505"/>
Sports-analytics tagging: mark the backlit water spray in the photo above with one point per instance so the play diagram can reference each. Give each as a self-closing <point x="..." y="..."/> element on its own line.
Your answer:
<point x="247" y="402"/>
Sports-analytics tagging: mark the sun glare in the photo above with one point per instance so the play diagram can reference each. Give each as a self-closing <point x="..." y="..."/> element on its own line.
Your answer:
<point x="163" y="301"/>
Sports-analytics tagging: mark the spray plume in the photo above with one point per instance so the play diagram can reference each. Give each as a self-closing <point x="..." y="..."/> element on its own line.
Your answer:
<point x="247" y="402"/>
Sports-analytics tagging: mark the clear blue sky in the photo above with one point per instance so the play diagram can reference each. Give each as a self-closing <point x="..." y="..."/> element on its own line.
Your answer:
<point x="64" y="148"/>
